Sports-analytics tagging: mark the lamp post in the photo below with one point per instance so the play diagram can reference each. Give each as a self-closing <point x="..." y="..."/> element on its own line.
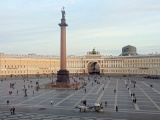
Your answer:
<point x="52" y="77"/>
<point x="27" y="70"/>
<point x="77" y="74"/>
<point x="38" y="79"/>
<point x="156" y="72"/>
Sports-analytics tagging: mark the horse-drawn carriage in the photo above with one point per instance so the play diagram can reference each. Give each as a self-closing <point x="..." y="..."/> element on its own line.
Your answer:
<point x="96" y="107"/>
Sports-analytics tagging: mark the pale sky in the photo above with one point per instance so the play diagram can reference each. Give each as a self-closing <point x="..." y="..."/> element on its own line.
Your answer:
<point x="31" y="26"/>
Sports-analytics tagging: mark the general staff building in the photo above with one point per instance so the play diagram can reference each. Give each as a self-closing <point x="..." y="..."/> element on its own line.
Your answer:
<point x="127" y="63"/>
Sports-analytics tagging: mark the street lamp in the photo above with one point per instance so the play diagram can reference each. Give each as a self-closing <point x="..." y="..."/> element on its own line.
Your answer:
<point x="52" y="77"/>
<point x="77" y="74"/>
<point x="27" y="69"/>
<point x="156" y="72"/>
<point x="38" y="79"/>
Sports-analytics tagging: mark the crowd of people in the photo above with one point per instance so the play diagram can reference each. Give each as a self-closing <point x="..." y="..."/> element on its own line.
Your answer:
<point x="95" y="78"/>
<point x="133" y="94"/>
<point x="13" y="86"/>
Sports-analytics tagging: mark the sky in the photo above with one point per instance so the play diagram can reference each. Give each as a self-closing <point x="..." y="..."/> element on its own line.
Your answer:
<point x="31" y="26"/>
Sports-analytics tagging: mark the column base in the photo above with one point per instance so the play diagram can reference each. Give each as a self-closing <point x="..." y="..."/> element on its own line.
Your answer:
<point x="63" y="76"/>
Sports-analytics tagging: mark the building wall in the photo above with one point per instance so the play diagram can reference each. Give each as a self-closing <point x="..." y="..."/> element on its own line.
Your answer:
<point x="23" y="65"/>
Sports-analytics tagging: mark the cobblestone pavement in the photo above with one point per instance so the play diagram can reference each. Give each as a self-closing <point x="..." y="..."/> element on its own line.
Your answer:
<point x="148" y="99"/>
<point x="35" y="116"/>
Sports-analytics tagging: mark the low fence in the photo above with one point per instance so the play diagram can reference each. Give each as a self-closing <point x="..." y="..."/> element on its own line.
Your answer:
<point x="61" y="85"/>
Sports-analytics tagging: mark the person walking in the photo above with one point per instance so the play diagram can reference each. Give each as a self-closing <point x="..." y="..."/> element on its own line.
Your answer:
<point x="135" y="100"/>
<point x="133" y="94"/>
<point x="85" y="102"/>
<point x="116" y="108"/>
<point x="13" y="110"/>
<point x="106" y="103"/>
<point x="51" y="102"/>
<point x="7" y="102"/>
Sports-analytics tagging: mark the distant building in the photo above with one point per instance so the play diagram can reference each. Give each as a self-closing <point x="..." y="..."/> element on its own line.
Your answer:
<point x="129" y="50"/>
<point x="128" y="63"/>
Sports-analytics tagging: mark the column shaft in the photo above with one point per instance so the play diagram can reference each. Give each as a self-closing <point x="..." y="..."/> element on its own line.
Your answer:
<point x="63" y="48"/>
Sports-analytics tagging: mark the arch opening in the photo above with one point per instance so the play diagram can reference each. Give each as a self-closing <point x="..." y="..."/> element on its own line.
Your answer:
<point x="93" y="68"/>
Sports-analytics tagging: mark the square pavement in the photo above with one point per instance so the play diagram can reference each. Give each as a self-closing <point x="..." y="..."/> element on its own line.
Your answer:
<point x="148" y="99"/>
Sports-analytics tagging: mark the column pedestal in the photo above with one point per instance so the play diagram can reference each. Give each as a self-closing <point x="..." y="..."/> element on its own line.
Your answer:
<point x="63" y="76"/>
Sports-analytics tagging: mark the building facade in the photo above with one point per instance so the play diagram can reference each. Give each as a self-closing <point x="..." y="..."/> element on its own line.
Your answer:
<point x="93" y="62"/>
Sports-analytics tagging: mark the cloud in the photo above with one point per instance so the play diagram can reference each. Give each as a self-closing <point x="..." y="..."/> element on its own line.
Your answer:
<point x="28" y="26"/>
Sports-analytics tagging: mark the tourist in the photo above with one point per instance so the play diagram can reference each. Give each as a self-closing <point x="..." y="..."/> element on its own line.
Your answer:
<point x="51" y="102"/>
<point x="116" y="108"/>
<point x="7" y="102"/>
<point x="13" y="110"/>
<point x="133" y="94"/>
<point x="105" y="103"/>
<point x="101" y="105"/>
<point x="85" y="102"/>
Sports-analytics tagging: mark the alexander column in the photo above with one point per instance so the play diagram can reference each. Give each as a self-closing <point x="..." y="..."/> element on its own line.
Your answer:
<point x="63" y="74"/>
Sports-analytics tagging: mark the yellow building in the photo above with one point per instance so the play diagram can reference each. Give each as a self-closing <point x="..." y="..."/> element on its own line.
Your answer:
<point x="93" y="62"/>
